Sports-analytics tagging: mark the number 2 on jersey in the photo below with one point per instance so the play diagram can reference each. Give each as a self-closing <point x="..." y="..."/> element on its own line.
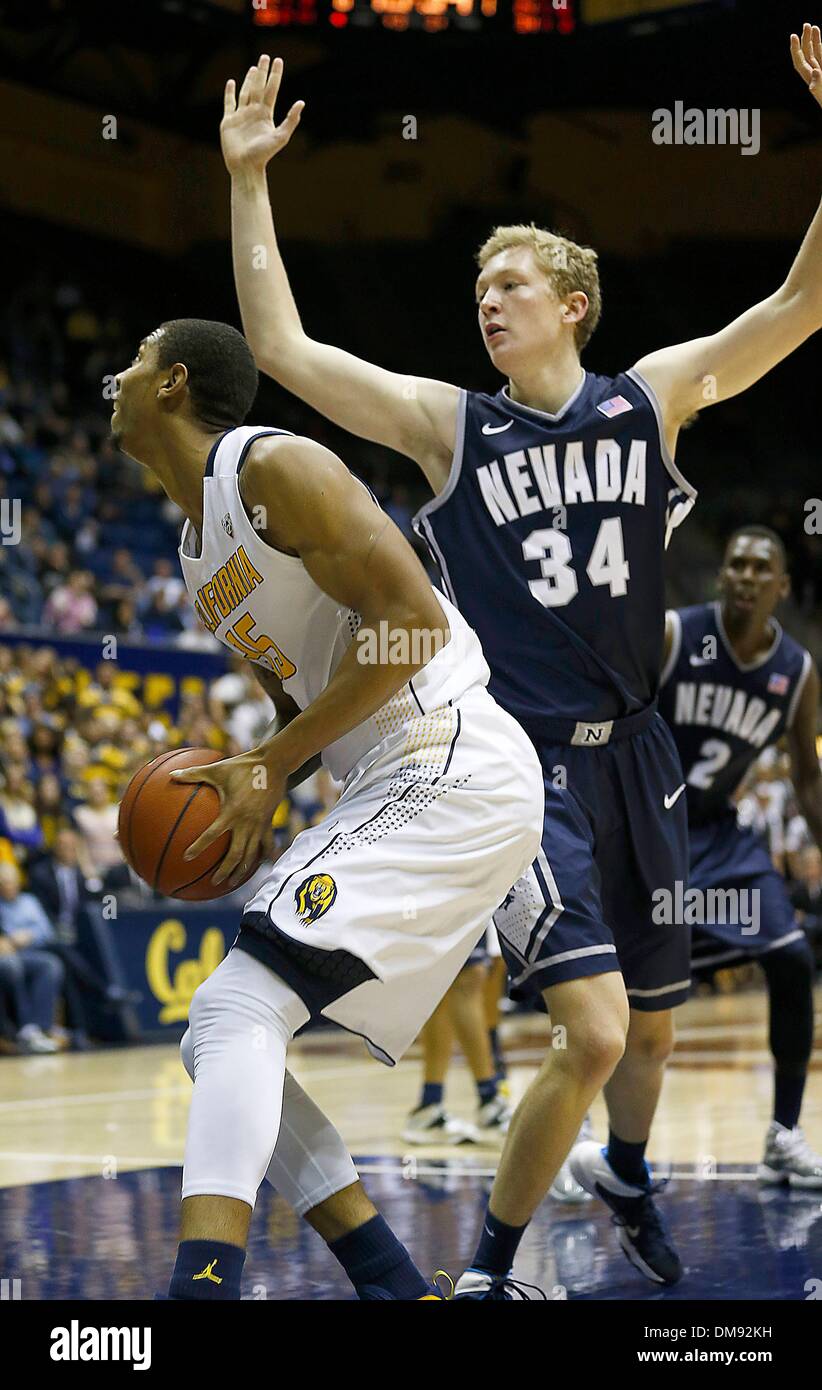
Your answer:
<point x="240" y="637"/>
<point x="558" y="585"/>
<point x="713" y="756"/>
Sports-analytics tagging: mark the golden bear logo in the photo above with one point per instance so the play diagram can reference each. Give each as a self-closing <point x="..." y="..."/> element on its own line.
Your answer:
<point x="314" y="897"/>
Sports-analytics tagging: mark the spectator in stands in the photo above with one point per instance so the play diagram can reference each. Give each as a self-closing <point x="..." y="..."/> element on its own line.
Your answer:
<point x="160" y="618"/>
<point x="57" y="568"/>
<point x="32" y="712"/>
<point x="8" y="621"/>
<point x="166" y="581"/>
<point x="45" y="744"/>
<point x="108" y="691"/>
<point x="52" y="809"/>
<point x="251" y="716"/>
<point x="72" y="607"/>
<point x="126" y="623"/>
<point x="18" y="817"/>
<point x="15" y="748"/>
<point x="229" y="690"/>
<point x="125" y="581"/>
<point x="98" y="850"/>
<point x="29" y="974"/>
<point x="73" y="511"/>
<point x="58" y="884"/>
<point x="73" y="766"/>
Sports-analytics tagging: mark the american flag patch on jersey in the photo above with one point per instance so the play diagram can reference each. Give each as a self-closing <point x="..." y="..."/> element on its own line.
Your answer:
<point x="777" y="685"/>
<point x="617" y="405"/>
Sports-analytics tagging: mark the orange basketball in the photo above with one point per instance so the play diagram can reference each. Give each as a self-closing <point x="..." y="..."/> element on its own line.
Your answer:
<point x="158" y="821"/>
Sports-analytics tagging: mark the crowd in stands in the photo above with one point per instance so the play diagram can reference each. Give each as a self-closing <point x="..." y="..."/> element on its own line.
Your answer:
<point x="97" y="536"/>
<point x="70" y="740"/>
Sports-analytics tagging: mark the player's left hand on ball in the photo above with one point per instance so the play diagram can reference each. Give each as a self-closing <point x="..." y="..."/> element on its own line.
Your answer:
<point x="249" y="795"/>
<point x="806" y="53"/>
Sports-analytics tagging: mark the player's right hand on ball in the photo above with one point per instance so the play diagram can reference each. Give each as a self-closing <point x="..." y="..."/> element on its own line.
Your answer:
<point x="248" y="133"/>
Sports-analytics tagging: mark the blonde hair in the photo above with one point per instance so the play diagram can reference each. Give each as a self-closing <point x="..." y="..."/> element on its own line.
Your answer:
<point x="568" y="266"/>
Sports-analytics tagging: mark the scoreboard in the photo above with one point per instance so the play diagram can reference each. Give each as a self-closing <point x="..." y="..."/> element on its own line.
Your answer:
<point x="477" y="16"/>
<point x="512" y="16"/>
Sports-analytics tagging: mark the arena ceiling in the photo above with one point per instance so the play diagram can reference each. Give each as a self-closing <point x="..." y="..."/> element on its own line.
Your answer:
<point x="165" y="61"/>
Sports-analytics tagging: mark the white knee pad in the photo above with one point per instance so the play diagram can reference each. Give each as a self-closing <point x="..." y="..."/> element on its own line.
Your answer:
<point x="310" y="1162"/>
<point x="240" y="1024"/>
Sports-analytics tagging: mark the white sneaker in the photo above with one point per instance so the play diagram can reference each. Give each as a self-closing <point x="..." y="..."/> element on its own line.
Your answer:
<point x="475" y="1284"/>
<point x="33" y="1039"/>
<point x="789" y="1158"/>
<point x="565" y="1187"/>
<point x="493" y="1120"/>
<point x="432" y="1124"/>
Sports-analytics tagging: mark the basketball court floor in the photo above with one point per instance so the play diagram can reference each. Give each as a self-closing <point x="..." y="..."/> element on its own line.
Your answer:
<point x="91" y="1147"/>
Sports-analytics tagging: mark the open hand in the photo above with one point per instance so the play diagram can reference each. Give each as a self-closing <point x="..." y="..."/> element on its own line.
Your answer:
<point x="249" y="795"/>
<point x="806" y="53"/>
<point x="248" y="133"/>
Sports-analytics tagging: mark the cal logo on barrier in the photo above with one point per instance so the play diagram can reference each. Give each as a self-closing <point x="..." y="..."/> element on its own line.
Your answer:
<point x="314" y="897"/>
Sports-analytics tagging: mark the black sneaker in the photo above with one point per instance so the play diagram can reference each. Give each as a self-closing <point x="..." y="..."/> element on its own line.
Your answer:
<point x="641" y="1231"/>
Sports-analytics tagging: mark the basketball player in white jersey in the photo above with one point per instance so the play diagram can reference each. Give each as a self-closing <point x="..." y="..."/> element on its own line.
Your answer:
<point x="369" y="915"/>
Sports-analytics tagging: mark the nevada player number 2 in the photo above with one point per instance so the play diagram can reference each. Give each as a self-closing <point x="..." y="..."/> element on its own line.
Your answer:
<point x="713" y="755"/>
<point x="558" y="585"/>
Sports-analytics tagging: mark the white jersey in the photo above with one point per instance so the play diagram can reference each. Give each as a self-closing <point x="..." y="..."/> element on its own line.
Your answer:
<point x="293" y="627"/>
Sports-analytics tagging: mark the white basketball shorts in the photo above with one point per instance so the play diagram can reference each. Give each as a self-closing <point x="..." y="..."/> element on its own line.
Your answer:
<point x="370" y="915"/>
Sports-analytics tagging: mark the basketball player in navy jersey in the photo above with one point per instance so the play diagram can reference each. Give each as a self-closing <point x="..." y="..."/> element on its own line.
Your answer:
<point x="733" y="683"/>
<point x="553" y="502"/>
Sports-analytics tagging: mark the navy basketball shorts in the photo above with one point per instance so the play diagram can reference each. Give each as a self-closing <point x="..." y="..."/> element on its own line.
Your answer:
<point x="742" y="910"/>
<point x="615" y="834"/>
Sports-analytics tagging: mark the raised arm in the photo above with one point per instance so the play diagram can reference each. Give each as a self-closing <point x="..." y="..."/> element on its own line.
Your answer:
<point x="415" y="415"/>
<point x="690" y="376"/>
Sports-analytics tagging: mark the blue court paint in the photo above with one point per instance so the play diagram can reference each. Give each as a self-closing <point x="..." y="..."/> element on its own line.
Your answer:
<point x="96" y="1238"/>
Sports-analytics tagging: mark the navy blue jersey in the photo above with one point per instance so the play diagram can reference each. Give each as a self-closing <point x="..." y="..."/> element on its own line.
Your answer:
<point x="722" y="713"/>
<point x="549" y="535"/>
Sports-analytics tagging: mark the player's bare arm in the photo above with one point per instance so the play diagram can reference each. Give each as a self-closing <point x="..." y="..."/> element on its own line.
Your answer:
<point x="805" y="770"/>
<point x="414" y="415"/>
<point x="287" y="709"/>
<point x="689" y="376"/>
<point x="316" y="510"/>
